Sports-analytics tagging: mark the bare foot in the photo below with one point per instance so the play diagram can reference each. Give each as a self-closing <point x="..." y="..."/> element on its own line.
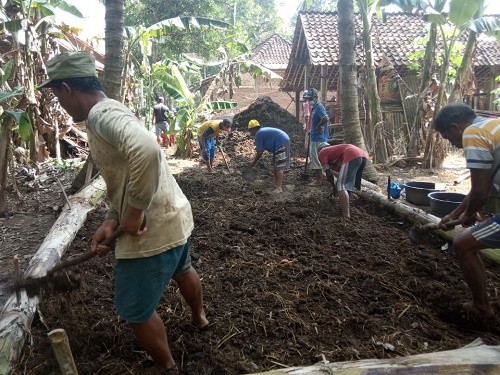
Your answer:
<point x="278" y="190"/>
<point x="201" y="322"/>
<point x="475" y="312"/>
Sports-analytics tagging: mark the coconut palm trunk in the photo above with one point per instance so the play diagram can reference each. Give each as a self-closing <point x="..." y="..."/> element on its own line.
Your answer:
<point x="113" y="62"/>
<point x="113" y="68"/>
<point x="348" y="81"/>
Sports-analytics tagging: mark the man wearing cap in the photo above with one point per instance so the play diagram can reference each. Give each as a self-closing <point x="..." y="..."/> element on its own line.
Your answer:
<point x="139" y="183"/>
<point x="349" y="161"/>
<point x="275" y="141"/>
<point x="319" y="133"/>
<point x="160" y="121"/>
<point x="208" y="138"/>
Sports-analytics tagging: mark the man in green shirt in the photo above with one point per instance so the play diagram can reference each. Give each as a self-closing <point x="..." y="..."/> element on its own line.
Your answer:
<point x="139" y="183"/>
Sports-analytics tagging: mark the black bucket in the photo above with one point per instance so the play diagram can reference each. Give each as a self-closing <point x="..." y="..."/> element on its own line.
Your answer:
<point x="417" y="191"/>
<point x="443" y="203"/>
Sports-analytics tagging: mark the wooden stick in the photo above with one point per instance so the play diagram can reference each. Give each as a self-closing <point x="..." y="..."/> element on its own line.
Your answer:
<point x="461" y="178"/>
<point x="17" y="276"/>
<point x="90" y="169"/>
<point x="62" y="350"/>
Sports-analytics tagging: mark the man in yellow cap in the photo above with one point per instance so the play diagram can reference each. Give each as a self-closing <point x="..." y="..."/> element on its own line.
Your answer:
<point x="208" y="138"/>
<point x="275" y="141"/>
<point x="139" y="183"/>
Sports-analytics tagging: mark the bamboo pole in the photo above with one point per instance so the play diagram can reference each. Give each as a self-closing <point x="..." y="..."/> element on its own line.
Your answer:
<point x="16" y="318"/>
<point x="62" y="350"/>
<point x="472" y="359"/>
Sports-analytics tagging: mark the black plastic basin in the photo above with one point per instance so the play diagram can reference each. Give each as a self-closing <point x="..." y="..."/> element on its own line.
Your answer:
<point x="417" y="191"/>
<point x="443" y="203"/>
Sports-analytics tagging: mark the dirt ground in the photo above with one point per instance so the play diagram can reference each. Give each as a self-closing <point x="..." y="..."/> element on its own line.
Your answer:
<point x="286" y="283"/>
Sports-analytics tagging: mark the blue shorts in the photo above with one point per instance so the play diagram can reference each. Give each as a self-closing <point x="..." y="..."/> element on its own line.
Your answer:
<point x="487" y="233"/>
<point x="209" y="147"/>
<point x="140" y="282"/>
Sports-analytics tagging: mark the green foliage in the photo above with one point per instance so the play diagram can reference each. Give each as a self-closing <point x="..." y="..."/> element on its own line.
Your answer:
<point x="46" y="8"/>
<point x="22" y="120"/>
<point x="67" y="165"/>
<point x="488" y="25"/>
<point x="250" y="21"/>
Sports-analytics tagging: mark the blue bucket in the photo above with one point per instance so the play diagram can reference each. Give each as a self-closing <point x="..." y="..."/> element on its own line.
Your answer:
<point x="395" y="190"/>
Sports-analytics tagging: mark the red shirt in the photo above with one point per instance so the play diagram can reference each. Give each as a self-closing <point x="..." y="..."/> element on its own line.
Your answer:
<point x="337" y="155"/>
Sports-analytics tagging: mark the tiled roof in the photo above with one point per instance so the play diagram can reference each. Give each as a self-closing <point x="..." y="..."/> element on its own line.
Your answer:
<point x="315" y="43"/>
<point x="273" y="53"/>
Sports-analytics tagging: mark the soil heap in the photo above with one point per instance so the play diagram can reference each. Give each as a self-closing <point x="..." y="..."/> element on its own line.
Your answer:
<point x="268" y="113"/>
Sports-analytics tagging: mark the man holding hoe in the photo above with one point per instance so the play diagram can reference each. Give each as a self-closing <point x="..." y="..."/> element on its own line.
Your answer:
<point x="275" y="141"/>
<point x="480" y="139"/>
<point x="139" y="183"/>
<point x="208" y="138"/>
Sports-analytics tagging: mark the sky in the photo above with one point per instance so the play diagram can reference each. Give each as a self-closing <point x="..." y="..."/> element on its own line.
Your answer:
<point x="93" y="11"/>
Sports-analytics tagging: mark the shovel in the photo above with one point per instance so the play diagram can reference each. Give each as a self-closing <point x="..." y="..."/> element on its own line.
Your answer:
<point x="419" y="232"/>
<point x="225" y="161"/>
<point x="249" y="174"/>
<point x="304" y="176"/>
<point x="56" y="279"/>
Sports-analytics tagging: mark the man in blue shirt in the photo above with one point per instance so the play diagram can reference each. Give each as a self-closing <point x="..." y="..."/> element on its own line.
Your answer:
<point x="275" y="141"/>
<point x="320" y="133"/>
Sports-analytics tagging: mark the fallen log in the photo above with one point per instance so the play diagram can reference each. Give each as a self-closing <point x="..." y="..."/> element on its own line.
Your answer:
<point x="18" y="312"/>
<point x="471" y="359"/>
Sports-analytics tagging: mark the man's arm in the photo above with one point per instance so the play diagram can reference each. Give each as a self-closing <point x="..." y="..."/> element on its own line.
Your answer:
<point x="474" y="201"/>
<point x="324" y="120"/>
<point x="256" y="158"/>
<point x="330" y="178"/>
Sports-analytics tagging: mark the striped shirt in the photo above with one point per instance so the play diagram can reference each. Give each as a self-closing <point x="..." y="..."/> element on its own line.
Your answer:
<point x="481" y="141"/>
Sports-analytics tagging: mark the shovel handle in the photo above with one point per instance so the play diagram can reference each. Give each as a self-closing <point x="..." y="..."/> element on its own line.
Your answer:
<point x="108" y="241"/>
<point x="449" y="225"/>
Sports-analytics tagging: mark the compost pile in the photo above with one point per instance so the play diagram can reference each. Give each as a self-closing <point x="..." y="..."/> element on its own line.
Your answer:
<point x="286" y="282"/>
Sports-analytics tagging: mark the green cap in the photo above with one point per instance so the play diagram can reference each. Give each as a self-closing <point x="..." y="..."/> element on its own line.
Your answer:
<point x="69" y="65"/>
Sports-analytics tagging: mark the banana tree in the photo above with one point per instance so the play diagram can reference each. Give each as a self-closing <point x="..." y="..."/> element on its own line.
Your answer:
<point x="189" y="106"/>
<point x="144" y="38"/>
<point x="10" y="120"/>
<point x="463" y="15"/>
<point x="375" y="133"/>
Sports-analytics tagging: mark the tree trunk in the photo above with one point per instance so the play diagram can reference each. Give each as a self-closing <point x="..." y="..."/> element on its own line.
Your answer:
<point x="376" y="126"/>
<point x="467" y="360"/>
<point x="5" y="144"/>
<point x="418" y="126"/>
<point x="464" y="71"/>
<point x="17" y="315"/>
<point x="348" y="82"/>
<point x="113" y="63"/>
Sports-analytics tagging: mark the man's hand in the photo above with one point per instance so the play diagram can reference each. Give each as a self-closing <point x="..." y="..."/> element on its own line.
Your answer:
<point x="107" y="228"/>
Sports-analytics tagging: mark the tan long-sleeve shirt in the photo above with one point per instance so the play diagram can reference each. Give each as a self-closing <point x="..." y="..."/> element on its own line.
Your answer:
<point x="137" y="174"/>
